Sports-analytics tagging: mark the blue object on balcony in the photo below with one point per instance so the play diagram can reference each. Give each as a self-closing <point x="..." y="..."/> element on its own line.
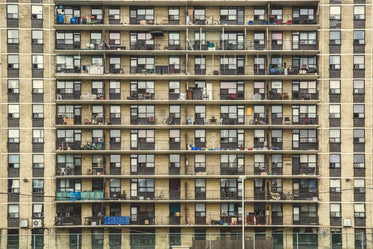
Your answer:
<point x="194" y="148"/>
<point x="73" y="20"/>
<point x="272" y="70"/>
<point x="75" y="196"/>
<point x="126" y="220"/>
<point x="251" y="23"/>
<point x="264" y="22"/>
<point x="60" y="19"/>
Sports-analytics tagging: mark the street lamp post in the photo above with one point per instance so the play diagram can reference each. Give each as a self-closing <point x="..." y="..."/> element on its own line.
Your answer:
<point x="242" y="178"/>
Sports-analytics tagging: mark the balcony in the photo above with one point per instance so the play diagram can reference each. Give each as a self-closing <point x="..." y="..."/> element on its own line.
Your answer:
<point x="68" y="220"/>
<point x="69" y="171"/>
<point x="79" y="196"/>
<point x="307" y="219"/>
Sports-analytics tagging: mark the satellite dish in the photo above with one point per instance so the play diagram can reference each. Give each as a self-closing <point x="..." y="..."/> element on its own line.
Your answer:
<point x="257" y="96"/>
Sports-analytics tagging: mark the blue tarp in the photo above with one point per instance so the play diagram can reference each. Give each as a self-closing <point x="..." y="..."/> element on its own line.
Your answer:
<point x="116" y="220"/>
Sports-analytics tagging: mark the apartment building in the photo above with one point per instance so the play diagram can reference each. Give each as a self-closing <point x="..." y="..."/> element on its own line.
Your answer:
<point x="133" y="124"/>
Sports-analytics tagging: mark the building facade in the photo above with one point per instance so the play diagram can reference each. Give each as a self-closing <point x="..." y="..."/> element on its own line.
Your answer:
<point x="133" y="124"/>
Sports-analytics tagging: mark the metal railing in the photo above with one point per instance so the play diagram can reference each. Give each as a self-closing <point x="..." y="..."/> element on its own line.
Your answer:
<point x="149" y="239"/>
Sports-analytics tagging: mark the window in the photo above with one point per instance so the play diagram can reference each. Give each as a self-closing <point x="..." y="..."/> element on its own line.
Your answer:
<point x="13" y="86"/>
<point x="114" y="38"/>
<point x="114" y="15"/>
<point x="335" y="161"/>
<point x="230" y="65"/>
<point x="360" y="238"/>
<point x="37" y="111"/>
<point x="13" y="211"/>
<point x="359" y="12"/>
<point x="259" y="41"/>
<point x="259" y="63"/>
<point x="13" y="186"/>
<point x="37" y="161"/>
<point x="307" y="38"/>
<point x="200" y="138"/>
<point x="96" y="38"/>
<point x="359" y="62"/>
<point x="359" y="210"/>
<point x="306" y="210"/>
<point x="67" y="38"/>
<point x="277" y="13"/>
<point x="13" y="36"/>
<point x="199" y="65"/>
<point x="141" y="161"/>
<point x="335" y="210"/>
<point x="142" y="111"/>
<point x="12" y="11"/>
<point x="13" y="61"/>
<point x="37" y="211"/>
<point x="174" y="40"/>
<point x="199" y="15"/>
<point x="37" y="86"/>
<point x="67" y="63"/>
<point x="359" y="161"/>
<point x="334" y="136"/>
<point x="359" y="111"/>
<point x="13" y="136"/>
<point x="174" y="160"/>
<point x="36" y="12"/>
<point x="97" y="13"/>
<point x="13" y="161"/>
<point x="174" y="64"/>
<point x="335" y="62"/>
<point x="37" y="37"/>
<point x="37" y="62"/>
<point x="114" y="87"/>
<point x="227" y="137"/>
<point x="141" y="41"/>
<point x="115" y="161"/>
<point x="232" y="161"/>
<point x="359" y="87"/>
<point x="13" y="111"/>
<point x="359" y="186"/>
<point x="335" y="13"/>
<point x="200" y="210"/>
<point x="335" y="37"/>
<point x="38" y="136"/>
<point x="335" y="86"/>
<point x="232" y="15"/>
<point x="141" y="13"/>
<point x="142" y="64"/>
<point x="335" y="111"/>
<point x="174" y="89"/>
<point x="142" y="87"/>
<point x="115" y="185"/>
<point x="173" y="15"/>
<point x="200" y="161"/>
<point x="259" y="15"/>
<point x="38" y="186"/>
<point x="359" y="136"/>
<point x="359" y="37"/>
<point x="304" y="16"/>
<point x="115" y="209"/>
<point x="142" y="186"/>
<point x="335" y="185"/>
<point x="308" y="160"/>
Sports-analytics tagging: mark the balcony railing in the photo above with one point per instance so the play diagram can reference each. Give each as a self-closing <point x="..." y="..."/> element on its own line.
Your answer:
<point x="194" y="94"/>
<point x="79" y="196"/>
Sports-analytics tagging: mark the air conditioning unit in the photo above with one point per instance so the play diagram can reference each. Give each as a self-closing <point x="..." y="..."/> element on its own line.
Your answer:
<point x="37" y="223"/>
<point x="347" y="222"/>
<point x="23" y="224"/>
